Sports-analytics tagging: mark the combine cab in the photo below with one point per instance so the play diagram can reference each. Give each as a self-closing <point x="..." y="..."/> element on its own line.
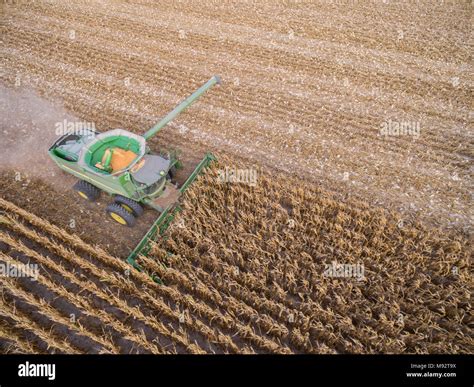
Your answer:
<point x="120" y="163"/>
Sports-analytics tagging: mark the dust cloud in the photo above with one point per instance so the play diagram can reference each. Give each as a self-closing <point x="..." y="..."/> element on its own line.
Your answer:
<point x="27" y="129"/>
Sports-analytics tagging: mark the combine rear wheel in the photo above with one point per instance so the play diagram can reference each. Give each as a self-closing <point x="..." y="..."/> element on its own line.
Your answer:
<point x="87" y="190"/>
<point x="130" y="205"/>
<point x="120" y="215"/>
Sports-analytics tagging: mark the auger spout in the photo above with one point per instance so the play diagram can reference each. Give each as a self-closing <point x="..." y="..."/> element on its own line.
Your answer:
<point x="182" y="106"/>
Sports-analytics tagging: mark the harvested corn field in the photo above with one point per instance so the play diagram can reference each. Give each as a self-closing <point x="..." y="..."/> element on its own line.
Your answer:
<point x="337" y="219"/>
<point x="309" y="98"/>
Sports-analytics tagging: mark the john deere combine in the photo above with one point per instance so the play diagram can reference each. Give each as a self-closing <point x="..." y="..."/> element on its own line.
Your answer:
<point x="120" y="163"/>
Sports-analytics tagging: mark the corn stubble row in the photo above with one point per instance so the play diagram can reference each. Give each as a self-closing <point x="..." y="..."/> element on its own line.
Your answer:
<point x="115" y="290"/>
<point x="118" y="284"/>
<point x="259" y="254"/>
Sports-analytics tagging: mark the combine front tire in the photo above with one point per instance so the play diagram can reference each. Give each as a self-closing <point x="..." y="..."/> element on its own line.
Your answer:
<point x="130" y="205"/>
<point x="171" y="173"/>
<point x="120" y="215"/>
<point x="87" y="190"/>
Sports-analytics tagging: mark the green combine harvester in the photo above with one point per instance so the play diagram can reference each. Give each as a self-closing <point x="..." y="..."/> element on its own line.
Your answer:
<point x="120" y="163"/>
